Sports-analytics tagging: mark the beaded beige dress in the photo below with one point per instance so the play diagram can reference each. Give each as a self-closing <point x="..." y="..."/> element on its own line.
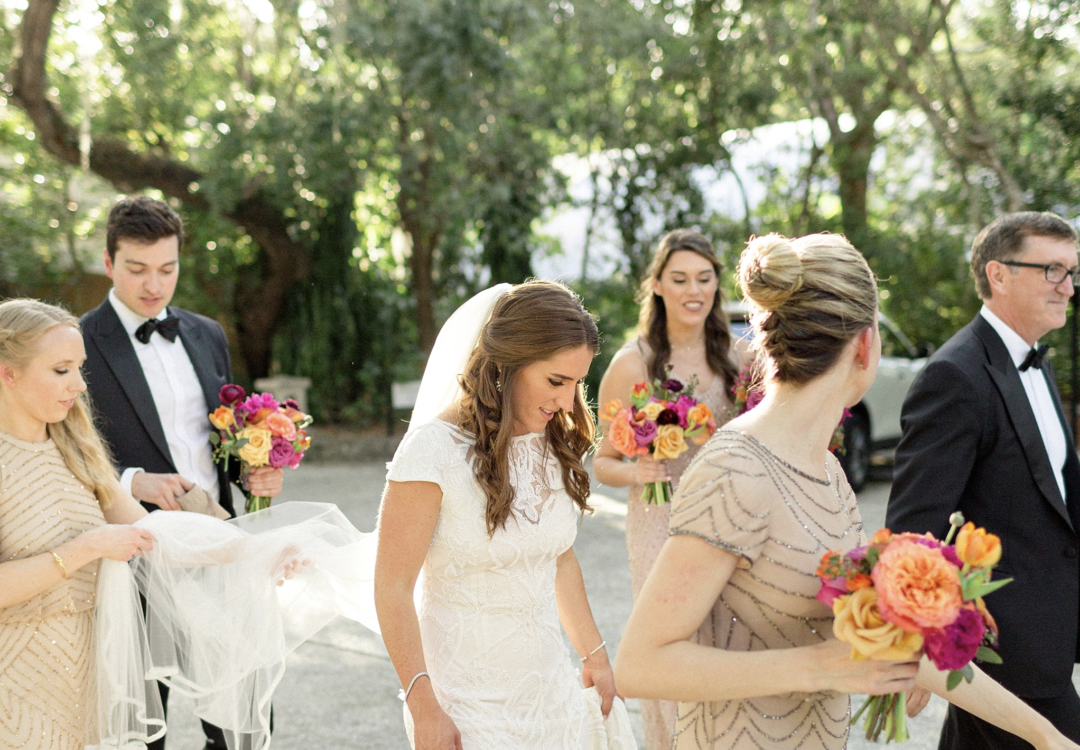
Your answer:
<point x="45" y="642"/>
<point x="646" y="531"/>
<point x="740" y="497"/>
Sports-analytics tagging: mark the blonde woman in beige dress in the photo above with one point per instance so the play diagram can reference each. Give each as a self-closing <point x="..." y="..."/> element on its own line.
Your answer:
<point x="61" y="511"/>
<point x="682" y="326"/>
<point x="727" y="623"/>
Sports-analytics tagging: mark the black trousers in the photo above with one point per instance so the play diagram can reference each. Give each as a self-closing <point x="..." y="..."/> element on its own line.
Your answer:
<point x="214" y="736"/>
<point x="962" y="731"/>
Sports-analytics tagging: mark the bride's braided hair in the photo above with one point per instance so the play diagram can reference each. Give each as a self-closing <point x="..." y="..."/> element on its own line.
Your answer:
<point x="23" y="323"/>
<point x="531" y="322"/>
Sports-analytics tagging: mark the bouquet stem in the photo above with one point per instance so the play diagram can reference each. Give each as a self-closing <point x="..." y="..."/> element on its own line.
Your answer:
<point x="256" y="503"/>
<point x="885" y="713"/>
<point x="657" y="493"/>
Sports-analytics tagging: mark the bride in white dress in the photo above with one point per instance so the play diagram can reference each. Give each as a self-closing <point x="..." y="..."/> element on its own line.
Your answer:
<point x="484" y="496"/>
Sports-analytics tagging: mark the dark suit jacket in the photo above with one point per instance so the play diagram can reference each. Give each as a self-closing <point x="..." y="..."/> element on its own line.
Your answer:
<point x="123" y="405"/>
<point x="970" y="443"/>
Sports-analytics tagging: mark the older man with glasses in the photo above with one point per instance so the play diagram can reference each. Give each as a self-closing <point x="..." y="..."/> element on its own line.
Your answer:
<point x="984" y="433"/>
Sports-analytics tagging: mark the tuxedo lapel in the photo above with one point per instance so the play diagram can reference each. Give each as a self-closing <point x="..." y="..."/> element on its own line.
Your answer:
<point x="119" y="354"/>
<point x="198" y="350"/>
<point x="1006" y="378"/>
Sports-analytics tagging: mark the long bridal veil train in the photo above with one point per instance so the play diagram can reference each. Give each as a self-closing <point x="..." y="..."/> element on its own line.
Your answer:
<point x="218" y="629"/>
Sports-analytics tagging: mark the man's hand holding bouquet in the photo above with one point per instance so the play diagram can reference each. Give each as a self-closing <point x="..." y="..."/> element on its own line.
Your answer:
<point x="258" y="431"/>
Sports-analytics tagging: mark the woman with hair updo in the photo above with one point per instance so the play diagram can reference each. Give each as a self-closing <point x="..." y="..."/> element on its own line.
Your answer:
<point x="727" y="623"/>
<point x="484" y="496"/>
<point x="61" y="511"/>
<point x="683" y="330"/>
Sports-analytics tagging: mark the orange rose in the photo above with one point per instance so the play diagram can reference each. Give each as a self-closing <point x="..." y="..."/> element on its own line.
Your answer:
<point x="859" y="581"/>
<point x="699" y="414"/>
<point x="222" y="418"/>
<point x="621" y="436"/>
<point x="858" y="621"/>
<point x="882" y="536"/>
<point x="669" y="442"/>
<point x="916" y="586"/>
<point x="610" y="410"/>
<point x="978" y="548"/>
<point x="279" y="424"/>
<point x="256" y="419"/>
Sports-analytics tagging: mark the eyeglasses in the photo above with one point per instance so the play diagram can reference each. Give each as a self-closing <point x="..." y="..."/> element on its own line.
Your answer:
<point x="1055" y="272"/>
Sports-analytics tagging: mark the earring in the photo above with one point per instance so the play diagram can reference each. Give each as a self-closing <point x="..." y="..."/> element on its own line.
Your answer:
<point x="498" y="385"/>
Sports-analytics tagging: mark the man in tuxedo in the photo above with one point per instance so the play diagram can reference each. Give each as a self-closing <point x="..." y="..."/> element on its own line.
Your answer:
<point x="984" y="433"/>
<point x="154" y="372"/>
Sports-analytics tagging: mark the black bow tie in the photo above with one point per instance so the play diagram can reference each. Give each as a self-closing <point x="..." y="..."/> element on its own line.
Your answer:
<point x="1034" y="358"/>
<point x="169" y="328"/>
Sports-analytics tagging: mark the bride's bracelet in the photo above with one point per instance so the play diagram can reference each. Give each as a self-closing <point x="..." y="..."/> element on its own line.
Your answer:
<point x="586" y="656"/>
<point x="403" y="695"/>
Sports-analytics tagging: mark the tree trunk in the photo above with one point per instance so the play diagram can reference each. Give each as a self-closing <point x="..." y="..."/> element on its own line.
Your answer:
<point x="257" y="307"/>
<point x="850" y="159"/>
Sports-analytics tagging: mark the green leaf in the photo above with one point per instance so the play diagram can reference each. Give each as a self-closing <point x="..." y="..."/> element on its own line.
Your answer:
<point x="988" y="655"/>
<point x="872" y="555"/>
<point x="978" y="589"/>
<point x="215" y="439"/>
<point x="968" y="672"/>
<point x="953" y="679"/>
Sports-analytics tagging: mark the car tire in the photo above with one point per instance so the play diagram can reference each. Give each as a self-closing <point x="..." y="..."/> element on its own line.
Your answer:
<point x="856" y="458"/>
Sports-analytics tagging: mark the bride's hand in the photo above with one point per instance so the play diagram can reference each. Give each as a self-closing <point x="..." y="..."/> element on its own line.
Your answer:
<point x="650" y="470"/>
<point x="289" y="563"/>
<point x="433" y="729"/>
<point x="835" y="670"/>
<point x="596" y="672"/>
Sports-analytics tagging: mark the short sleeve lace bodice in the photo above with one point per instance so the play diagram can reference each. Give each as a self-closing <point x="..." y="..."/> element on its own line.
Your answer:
<point x="740" y="497"/>
<point x="490" y="628"/>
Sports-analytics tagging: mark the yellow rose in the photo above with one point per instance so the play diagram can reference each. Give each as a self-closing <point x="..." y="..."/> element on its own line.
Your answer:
<point x="859" y="622"/>
<point x="669" y="442"/>
<point x="652" y="409"/>
<point x="257" y="450"/>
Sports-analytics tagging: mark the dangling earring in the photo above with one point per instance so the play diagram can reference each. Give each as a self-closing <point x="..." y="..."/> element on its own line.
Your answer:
<point x="498" y="385"/>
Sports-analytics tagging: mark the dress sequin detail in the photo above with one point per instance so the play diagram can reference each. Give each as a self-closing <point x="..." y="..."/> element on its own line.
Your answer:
<point x="45" y="642"/>
<point x="740" y="497"/>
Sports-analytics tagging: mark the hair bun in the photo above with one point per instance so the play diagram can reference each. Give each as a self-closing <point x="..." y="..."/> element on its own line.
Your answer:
<point x="770" y="271"/>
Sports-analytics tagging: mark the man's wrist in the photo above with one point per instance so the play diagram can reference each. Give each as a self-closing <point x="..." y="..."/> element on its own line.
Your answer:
<point x="127" y="476"/>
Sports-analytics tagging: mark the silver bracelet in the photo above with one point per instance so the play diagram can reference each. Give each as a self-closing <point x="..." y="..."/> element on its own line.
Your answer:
<point x="403" y="695"/>
<point x="586" y="656"/>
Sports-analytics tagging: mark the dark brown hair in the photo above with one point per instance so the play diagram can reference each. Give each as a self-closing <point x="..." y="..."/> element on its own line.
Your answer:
<point x="1003" y="239"/>
<point x="142" y="220"/>
<point x="531" y="322"/>
<point x="652" y="320"/>
<point x="813" y="295"/>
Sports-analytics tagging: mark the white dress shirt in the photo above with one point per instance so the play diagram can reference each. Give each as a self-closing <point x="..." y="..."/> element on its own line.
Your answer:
<point x="178" y="396"/>
<point x="1038" y="392"/>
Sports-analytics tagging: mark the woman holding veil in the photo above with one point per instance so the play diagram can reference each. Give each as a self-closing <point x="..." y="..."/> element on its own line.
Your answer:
<point x="727" y="622"/>
<point x="484" y="496"/>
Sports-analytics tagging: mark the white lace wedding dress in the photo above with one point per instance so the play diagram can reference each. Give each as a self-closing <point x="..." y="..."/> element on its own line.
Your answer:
<point x="490" y="627"/>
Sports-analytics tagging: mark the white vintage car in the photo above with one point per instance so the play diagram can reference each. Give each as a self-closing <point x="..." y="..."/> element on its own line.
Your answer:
<point x="874" y="424"/>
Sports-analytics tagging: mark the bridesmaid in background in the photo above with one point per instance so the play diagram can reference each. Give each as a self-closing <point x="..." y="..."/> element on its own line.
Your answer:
<point x="682" y="325"/>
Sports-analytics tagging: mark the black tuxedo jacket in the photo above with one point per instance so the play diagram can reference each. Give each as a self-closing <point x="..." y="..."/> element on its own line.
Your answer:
<point x="970" y="443"/>
<point x="123" y="405"/>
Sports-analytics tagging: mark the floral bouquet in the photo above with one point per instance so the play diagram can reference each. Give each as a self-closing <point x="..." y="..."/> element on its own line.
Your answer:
<point x="906" y="594"/>
<point x="661" y="417"/>
<point x="258" y="431"/>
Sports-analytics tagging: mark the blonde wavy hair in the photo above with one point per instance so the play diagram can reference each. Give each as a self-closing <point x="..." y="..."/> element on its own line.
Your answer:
<point x="531" y="322"/>
<point x="23" y="323"/>
<point x="812" y="296"/>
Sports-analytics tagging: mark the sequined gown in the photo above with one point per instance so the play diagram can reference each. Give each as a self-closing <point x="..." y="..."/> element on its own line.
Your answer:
<point x="646" y="531"/>
<point x="45" y="642"/>
<point x="492" y="640"/>
<point x="740" y="497"/>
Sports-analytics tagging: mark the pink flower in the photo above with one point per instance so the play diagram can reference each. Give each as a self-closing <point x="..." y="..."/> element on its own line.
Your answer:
<point x="683" y="405"/>
<point x="282" y="453"/>
<point x="644" y="432"/>
<point x="831" y="590"/>
<point x="955" y="645"/>
<point x="231" y="394"/>
<point x="257" y="401"/>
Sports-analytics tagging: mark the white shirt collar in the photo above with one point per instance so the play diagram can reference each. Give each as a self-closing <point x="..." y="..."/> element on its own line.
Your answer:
<point x="130" y="319"/>
<point x="1014" y="343"/>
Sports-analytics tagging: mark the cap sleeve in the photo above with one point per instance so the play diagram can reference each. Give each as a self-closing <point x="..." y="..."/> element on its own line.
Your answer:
<point x="420" y="455"/>
<point x="725" y="498"/>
